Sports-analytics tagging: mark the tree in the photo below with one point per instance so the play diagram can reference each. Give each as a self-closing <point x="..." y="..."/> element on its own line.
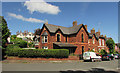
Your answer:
<point x="5" y="31"/>
<point x="23" y="44"/>
<point x="37" y="31"/>
<point x="19" y="42"/>
<point x="111" y="45"/>
<point x="13" y="36"/>
<point x="103" y="52"/>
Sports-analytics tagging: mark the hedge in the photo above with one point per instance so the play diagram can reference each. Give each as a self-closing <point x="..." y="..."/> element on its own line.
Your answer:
<point x="42" y="53"/>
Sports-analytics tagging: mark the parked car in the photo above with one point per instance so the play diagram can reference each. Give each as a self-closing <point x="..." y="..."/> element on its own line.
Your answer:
<point x="91" y="56"/>
<point x="108" y="57"/>
<point x="116" y="56"/>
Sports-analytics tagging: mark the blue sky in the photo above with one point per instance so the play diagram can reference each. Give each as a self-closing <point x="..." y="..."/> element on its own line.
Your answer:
<point x="98" y="15"/>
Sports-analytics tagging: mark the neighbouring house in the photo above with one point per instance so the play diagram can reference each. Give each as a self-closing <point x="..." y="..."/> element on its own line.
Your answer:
<point x="37" y="37"/>
<point x="76" y="39"/>
<point x="117" y="47"/>
<point x="27" y="36"/>
<point x="8" y="40"/>
<point x="36" y="41"/>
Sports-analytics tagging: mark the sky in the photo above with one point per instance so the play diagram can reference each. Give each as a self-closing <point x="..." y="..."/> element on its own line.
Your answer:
<point x="30" y="15"/>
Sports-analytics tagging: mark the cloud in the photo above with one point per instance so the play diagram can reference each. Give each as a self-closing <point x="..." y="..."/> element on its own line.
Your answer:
<point x="42" y="7"/>
<point x="26" y="19"/>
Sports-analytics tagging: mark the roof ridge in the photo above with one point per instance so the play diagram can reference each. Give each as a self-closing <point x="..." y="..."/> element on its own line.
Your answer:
<point x="56" y="25"/>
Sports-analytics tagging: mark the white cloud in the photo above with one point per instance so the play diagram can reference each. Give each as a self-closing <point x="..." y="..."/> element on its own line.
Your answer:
<point x="26" y="19"/>
<point x="42" y="7"/>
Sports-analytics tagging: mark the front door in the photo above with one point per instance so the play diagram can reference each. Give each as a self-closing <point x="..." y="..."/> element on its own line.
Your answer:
<point x="82" y="50"/>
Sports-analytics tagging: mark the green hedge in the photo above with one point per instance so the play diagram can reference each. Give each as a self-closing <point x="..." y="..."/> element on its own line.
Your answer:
<point x="43" y="53"/>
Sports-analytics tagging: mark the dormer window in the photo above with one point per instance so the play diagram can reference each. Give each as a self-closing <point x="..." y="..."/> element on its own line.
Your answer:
<point x="58" y="37"/>
<point x="44" y="37"/>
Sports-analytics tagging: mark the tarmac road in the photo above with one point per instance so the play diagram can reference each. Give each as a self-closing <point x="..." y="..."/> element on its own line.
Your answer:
<point x="61" y="66"/>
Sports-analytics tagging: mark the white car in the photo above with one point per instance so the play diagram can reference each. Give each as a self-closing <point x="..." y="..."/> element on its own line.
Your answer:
<point x="91" y="56"/>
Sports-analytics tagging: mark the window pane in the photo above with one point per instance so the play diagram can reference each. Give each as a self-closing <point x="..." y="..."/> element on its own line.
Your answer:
<point x="45" y="39"/>
<point x="46" y="47"/>
<point x="82" y="38"/>
<point x="103" y="42"/>
<point x="58" y="37"/>
<point x="99" y="42"/>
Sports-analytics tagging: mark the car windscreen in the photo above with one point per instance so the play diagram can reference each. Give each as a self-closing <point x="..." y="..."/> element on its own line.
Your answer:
<point x="86" y="54"/>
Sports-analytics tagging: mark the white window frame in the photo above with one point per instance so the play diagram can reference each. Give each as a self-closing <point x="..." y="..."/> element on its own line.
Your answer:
<point x="44" y="38"/>
<point x="99" y="42"/>
<point x="94" y="49"/>
<point x="44" y="47"/>
<point x="103" y="42"/>
<point x="88" y="40"/>
<point x="99" y="49"/>
<point x="93" y="41"/>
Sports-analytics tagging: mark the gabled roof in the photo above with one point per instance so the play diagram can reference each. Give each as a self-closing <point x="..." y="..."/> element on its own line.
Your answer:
<point x="91" y="35"/>
<point x="65" y="30"/>
<point x="96" y="36"/>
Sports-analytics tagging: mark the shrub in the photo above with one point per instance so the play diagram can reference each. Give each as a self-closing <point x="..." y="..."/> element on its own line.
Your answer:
<point x="12" y="50"/>
<point x="22" y="44"/>
<point x="19" y="42"/>
<point x="31" y="44"/>
<point x="102" y="52"/>
<point x="92" y="51"/>
<point x="43" y="53"/>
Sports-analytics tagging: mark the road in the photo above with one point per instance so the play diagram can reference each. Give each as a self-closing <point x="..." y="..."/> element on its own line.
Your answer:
<point x="61" y="66"/>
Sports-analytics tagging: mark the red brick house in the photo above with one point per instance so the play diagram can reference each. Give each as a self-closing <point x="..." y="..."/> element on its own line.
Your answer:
<point x="117" y="47"/>
<point x="76" y="38"/>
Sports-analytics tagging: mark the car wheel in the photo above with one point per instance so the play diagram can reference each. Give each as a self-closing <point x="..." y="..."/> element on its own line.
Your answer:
<point x="109" y="59"/>
<point x="100" y="60"/>
<point x="113" y="58"/>
<point x="92" y="60"/>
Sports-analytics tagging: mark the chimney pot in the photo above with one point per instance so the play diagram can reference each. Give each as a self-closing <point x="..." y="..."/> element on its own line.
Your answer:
<point x="93" y="31"/>
<point x="74" y="23"/>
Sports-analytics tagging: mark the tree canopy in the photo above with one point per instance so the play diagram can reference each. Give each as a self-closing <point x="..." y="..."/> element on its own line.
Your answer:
<point x="5" y="31"/>
<point x="111" y="45"/>
<point x="37" y="31"/>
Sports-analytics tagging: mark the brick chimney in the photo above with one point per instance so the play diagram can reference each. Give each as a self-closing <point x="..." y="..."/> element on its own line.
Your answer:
<point x="105" y="36"/>
<point x="74" y="23"/>
<point x="93" y="31"/>
<point x="98" y="33"/>
<point x="46" y="22"/>
<point x="85" y="27"/>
